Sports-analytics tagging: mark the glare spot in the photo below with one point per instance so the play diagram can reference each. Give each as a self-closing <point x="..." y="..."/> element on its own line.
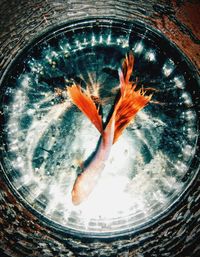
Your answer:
<point x="25" y="81"/>
<point x="78" y="44"/>
<point x="93" y="41"/>
<point x="26" y="179"/>
<point x="181" y="167"/>
<point x="188" y="150"/>
<point x="14" y="147"/>
<point x="38" y="190"/>
<point x="35" y="66"/>
<point x="168" y="67"/>
<point x="85" y="41"/>
<point x="54" y="54"/>
<point x="30" y="111"/>
<point x="189" y="115"/>
<point x="113" y="188"/>
<point x="109" y="39"/>
<point x="64" y="46"/>
<point x="54" y="190"/>
<point x="138" y="48"/>
<point x="186" y="98"/>
<point x="159" y="197"/>
<point x="150" y="56"/>
<point x="50" y="56"/>
<point x="179" y="82"/>
<point x="118" y="41"/>
<point x="68" y="46"/>
<point x="125" y="43"/>
<point x="191" y="132"/>
<point x="20" y="100"/>
<point x="100" y="39"/>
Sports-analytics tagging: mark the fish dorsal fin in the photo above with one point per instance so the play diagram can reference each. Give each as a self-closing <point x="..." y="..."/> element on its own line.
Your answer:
<point x="131" y="101"/>
<point x="85" y="103"/>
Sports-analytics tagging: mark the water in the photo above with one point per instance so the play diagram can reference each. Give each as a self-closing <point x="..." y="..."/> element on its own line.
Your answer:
<point x="46" y="137"/>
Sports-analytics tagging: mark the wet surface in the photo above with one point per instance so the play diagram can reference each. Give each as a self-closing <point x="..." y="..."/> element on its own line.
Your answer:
<point x="32" y="237"/>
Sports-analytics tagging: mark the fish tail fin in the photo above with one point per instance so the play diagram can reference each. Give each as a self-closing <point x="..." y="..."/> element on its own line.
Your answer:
<point x="86" y="104"/>
<point x="127" y="66"/>
<point x="131" y="101"/>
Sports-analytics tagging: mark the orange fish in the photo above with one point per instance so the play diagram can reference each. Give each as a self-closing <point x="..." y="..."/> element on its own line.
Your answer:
<point x="128" y="103"/>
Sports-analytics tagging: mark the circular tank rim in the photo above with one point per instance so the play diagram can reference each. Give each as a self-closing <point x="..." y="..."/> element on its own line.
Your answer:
<point x="45" y="221"/>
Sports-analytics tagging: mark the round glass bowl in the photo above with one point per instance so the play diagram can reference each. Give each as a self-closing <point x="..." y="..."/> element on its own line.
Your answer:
<point x="44" y="136"/>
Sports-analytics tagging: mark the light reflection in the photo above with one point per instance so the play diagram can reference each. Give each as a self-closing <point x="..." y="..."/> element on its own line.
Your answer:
<point x="30" y="112"/>
<point x="138" y="47"/>
<point x="36" y="67"/>
<point x="100" y="39"/>
<point x="191" y="133"/>
<point x="93" y="40"/>
<point x="181" y="167"/>
<point x="108" y="39"/>
<point x="101" y="202"/>
<point x="50" y="56"/>
<point x="39" y="188"/>
<point x="188" y="150"/>
<point x="168" y="67"/>
<point x="159" y="197"/>
<point x="64" y="47"/>
<point x="25" y="80"/>
<point x="26" y="179"/>
<point x="186" y="98"/>
<point x="78" y="44"/>
<point x="189" y="115"/>
<point x="179" y="82"/>
<point x="150" y="56"/>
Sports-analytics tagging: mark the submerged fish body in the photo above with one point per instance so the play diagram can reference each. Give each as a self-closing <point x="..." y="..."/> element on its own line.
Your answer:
<point x="128" y="103"/>
<point x="88" y="179"/>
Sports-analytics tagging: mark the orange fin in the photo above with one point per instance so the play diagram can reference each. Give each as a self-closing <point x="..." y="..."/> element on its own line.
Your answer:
<point x="85" y="103"/>
<point x="127" y="66"/>
<point x="130" y="101"/>
<point x="127" y="108"/>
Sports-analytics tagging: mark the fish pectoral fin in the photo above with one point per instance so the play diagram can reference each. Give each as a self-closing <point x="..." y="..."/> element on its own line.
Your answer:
<point x="86" y="104"/>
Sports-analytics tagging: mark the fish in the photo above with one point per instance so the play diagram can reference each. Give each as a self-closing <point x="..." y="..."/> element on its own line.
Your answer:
<point x="128" y="103"/>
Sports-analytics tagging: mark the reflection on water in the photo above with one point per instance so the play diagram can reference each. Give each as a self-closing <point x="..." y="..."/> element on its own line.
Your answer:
<point x="47" y="137"/>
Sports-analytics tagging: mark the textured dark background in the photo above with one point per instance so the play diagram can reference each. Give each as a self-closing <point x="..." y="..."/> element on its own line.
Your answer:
<point x="21" y="233"/>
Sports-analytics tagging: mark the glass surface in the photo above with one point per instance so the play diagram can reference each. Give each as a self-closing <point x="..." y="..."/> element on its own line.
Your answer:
<point x="46" y="137"/>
